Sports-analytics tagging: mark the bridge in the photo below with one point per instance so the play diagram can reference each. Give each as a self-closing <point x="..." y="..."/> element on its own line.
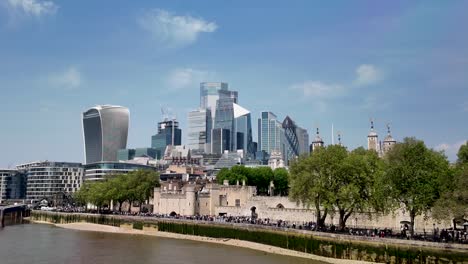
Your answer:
<point x="13" y="214"/>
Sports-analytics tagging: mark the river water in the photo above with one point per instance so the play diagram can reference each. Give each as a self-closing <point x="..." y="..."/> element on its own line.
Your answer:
<point x="36" y="243"/>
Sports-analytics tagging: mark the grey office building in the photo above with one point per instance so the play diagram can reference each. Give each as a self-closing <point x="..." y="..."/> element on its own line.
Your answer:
<point x="211" y="92"/>
<point x="169" y="133"/>
<point x="271" y="136"/>
<point x="105" y="131"/>
<point x="243" y="131"/>
<point x="199" y="130"/>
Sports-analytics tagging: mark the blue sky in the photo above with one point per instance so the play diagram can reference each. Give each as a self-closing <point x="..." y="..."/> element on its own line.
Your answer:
<point x="321" y="62"/>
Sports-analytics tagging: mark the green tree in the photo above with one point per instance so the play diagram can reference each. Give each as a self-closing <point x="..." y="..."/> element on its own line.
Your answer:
<point x="463" y="154"/>
<point x="354" y="182"/>
<point x="281" y="181"/>
<point x="312" y="179"/>
<point x="261" y="177"/>
<point x="453" y="203"/>
<point x="415" y="173"/>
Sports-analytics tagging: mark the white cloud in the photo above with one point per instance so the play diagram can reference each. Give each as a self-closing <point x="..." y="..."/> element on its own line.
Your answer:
<point x="68" y="79"/>
<point x="318" y="89"/>
<point x="187" y="77"/>
<point x="450" y="150"/>
<point x="174" y="30"/>
<point x="33" y="8"/>
<point x="368" y="74"/>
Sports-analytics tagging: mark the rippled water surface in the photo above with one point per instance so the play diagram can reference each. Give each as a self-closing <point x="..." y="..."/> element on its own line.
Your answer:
<point x="34" y="243"/>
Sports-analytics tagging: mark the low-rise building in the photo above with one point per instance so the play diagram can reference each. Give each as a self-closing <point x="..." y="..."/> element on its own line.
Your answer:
<point x="99" y="170"/>
<point x="46" y="179"/>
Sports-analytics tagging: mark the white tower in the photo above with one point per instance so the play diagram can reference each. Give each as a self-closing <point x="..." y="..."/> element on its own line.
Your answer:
<point x="373" y="139"/>
<point x="318" y="142"/>
<point x="389" y="141"/>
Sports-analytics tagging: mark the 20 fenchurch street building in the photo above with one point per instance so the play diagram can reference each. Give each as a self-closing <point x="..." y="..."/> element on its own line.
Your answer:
<point x="105" y="131"/>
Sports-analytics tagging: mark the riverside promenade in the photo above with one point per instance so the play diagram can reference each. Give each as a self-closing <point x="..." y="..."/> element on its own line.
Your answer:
<point x="375" y="249"/>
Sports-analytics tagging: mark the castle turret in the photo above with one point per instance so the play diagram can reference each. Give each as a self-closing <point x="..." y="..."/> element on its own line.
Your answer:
<point x="318" y="142"/>
<point x="389" y="141"/>
<point x="373" y="139"/>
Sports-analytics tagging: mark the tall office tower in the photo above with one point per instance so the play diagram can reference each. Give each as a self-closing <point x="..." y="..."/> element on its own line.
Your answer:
<point x="211" y="92"/>
<point x="271" y="134"/>
<point x="48" y="178"/>
<point x="303" y="136"/>
<point x="199" y="130"/>
<point x="373" y="140"/>
<point x="243" y="131"/>
<point x="220" y="140"/>
<point x="105" y="131"/>
<point x="169" y="133"/>
<point x="297" y="139"/>
<point x="224" y="119"/>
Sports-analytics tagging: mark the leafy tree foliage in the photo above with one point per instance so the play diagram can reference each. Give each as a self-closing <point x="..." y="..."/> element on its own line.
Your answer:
<point x="333" y="179"/>
<point x="463" y="154"/>
<point x="355" y="184"/>
<point x="131" y="187"/>
<point x="415" y="174"/>
<point x="259" y="177"/>
<point x="312" y="179"/>
<point x="453" y="203"/>
<point x="280" y="180"/>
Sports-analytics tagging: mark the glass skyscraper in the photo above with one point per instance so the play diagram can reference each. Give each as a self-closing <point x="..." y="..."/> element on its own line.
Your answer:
<point x="243" y="130"/>
<point x="169" y="133"/>
<point x="211" y="92"/>
<point x="105" y="131"/>
<point x="199" y="130"/>
<point x="270" y="134"/>
<point x="296" y="139"/>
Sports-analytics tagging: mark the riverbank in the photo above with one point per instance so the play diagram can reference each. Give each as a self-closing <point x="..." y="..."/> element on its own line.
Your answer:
<point x="227" y="242"/>
<point x="331" y="247"/>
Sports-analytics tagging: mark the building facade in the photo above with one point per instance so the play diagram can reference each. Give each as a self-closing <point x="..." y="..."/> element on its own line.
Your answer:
<point x="105" y="131"/>
<point x="211" y="92"/>
<point x="243" y="131"/>
<point x="12" y="185"/>
<point x="169" y="133"/>
<point x="100" y="170"/>
<point x="296" y="139"/>
<point x="199" y="130"/>
<point x="271" y="136"/>
<point x="46" y="179"/>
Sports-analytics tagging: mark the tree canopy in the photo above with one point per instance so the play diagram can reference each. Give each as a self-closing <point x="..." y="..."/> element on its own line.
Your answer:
<point x="416" y="175"/>
<point x="135" y="186"/>
<point x="259" y="177"/>
<point x="333" y="178"/>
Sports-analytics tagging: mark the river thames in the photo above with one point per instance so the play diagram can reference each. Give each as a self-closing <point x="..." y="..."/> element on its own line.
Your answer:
<point x="37" y="243"/>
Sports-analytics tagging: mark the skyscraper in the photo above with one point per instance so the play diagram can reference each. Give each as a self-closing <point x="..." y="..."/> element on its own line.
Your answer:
<point x="270" y="134"/>
<point x="297" y="139"/>
<point x="105" y="131"/>
<point x="169" y="133"/>
<point x="199" y="130"/>
<point x="211" y="92"/>
<point x="243" y="130"/>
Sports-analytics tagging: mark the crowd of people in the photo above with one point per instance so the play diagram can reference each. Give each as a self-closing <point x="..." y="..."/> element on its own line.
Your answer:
<point x="445" y="236"/>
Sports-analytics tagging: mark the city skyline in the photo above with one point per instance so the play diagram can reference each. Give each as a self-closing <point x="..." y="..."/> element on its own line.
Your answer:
<point x="324" y="64"/>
